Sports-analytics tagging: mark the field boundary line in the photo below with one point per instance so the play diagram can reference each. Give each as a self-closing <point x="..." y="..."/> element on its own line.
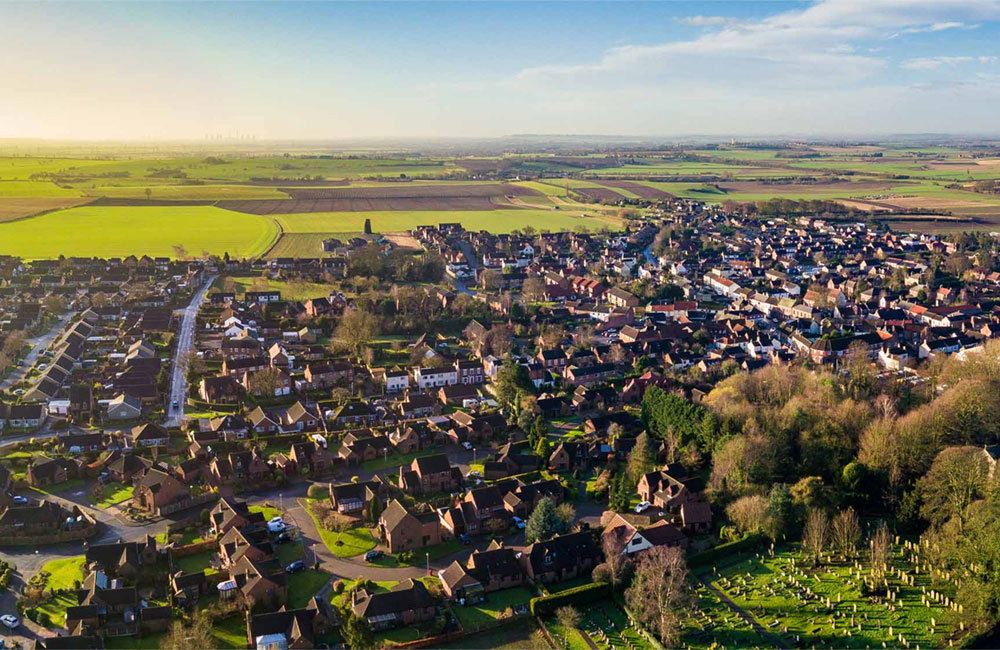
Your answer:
<point x="281" y="233"/>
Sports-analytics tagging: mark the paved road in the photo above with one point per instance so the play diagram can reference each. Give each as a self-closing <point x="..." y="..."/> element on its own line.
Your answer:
<point x="185" y="343"/>
<point x="38" y="343"/>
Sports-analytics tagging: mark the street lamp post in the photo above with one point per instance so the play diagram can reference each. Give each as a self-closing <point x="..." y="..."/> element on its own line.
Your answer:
<point x="428" y="563"/>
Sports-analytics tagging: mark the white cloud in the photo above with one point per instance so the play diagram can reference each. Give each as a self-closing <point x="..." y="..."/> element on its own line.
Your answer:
<point x="709" y="21"/>
<point x="937" y="27"/>
<point x="935" y="62"/>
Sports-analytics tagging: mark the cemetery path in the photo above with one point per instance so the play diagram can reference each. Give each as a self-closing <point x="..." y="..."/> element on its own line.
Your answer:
<point x="771" y="639"/>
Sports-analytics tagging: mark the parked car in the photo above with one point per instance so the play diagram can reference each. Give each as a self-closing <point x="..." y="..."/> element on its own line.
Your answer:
<point x="174" y="405"/>
<point x="20" y="499"/>
<point x="642" y="506"/>
<point x="518" y="522"/>
<point x="465" y="539"/>
<point x="467" y="445"/>
<point x="276" y="526"/>
<point x="10" y="621"/>
<point x="474" y="474"/>
<point x="283" y="538"/>
<point x="373" y="555"/>
<point x="295" y="567"/>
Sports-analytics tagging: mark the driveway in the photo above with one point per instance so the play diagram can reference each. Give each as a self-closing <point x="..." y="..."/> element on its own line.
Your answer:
<point x="38" y="345"/>
<point x="185" y="343"/>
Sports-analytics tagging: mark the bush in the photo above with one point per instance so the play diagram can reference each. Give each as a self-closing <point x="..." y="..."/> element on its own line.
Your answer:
<point x="338" y="587"/>
<point x="581" y="595"/>
<point x="316" y="492"/>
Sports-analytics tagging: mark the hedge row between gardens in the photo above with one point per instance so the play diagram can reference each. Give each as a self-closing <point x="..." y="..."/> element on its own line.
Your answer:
<point x="581" y="595"/>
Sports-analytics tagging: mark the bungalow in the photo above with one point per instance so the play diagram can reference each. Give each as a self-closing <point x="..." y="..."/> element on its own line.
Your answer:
<point x="123" y="407"/>
<point x="353" y="498"/>
<point x="407" y="603"/>
<point x="149" y="435"/>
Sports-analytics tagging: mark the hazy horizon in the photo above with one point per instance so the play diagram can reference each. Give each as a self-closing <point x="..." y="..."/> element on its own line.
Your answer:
<point x="152" y="72"/>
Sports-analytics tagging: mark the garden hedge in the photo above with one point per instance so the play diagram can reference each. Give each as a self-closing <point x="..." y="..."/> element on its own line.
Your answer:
<point x="581" y="595"/>
<point x="724" y="551"/>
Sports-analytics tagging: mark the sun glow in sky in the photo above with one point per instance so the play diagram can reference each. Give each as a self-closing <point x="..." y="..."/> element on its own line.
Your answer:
<point x="328" y="70"/>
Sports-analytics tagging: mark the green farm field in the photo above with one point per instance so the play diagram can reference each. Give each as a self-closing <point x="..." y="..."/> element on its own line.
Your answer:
<point x="117" y="232"/>
<point x="499" y="221"/>
<point x="188" y="192"/>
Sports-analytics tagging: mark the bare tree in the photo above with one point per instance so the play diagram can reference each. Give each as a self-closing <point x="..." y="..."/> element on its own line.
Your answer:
<point x="615" y="558"/>
<point x="265" y="382"/>
<point x="846" y="532"/>
<point x="879" y="548"/>
<point x="356" y="328"/>
<point x="815" y="534"/>
<point x="658" y="592"/>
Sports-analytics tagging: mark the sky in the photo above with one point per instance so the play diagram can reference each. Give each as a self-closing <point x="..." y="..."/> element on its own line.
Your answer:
<point x="315" y="70"/>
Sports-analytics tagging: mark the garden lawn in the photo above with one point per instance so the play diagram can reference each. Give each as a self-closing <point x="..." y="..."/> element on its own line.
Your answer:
<point x="269" y="512"/>
<point x="380" y="587"/>
<point x="193" y="563"/>
<point x="420" y="555"/>
<point x="119" y="231"/>
<point x="488" y="611"/>
<point x="231" y="632"/>
<point x="304" y="585"/>
<point x="395" y="460"/>
<point x="352" y="542"/>
<point x="112" y="494"/>
<point x="147" y="642"/>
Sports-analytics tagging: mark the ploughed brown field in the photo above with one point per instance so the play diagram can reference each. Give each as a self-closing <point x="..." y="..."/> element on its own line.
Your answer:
<point x="640" y="190"/>
<point x="754" y="187"/>
<point x="375" y="199"/>
<point x="597" y="193"/>
<point x="12" y="209"/>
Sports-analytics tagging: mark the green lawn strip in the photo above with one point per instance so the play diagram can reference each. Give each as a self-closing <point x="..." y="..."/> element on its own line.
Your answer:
<point x="112" y="494"/>
<point x="61" y="488"/>
<point x="147" y="642"/>
<point x="569" y="584"/>
<point x="288" y="553"/>
<point x="347" y="544"/>
<point x="230" y="632"/>
<point x="268" y="512"/>
<point x="420" y="555"/>
<point x="495" y="605"/>
<point x="304" y="585"/>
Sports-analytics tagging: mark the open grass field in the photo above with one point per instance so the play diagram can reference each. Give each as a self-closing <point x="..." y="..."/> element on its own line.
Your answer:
<point x="289" y="290"/>
<point x="118" y="232"/>
<point x="498" y="221"/>
<point x="29" y="189"/>
<point x="186" y="192"/>
<point x="231" y="632"/>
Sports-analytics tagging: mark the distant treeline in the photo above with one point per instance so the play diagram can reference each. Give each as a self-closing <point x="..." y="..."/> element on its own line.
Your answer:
<point x="786" y="207"/>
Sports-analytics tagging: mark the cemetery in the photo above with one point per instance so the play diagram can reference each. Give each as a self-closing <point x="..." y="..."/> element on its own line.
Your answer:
<point x="903" y="602"/>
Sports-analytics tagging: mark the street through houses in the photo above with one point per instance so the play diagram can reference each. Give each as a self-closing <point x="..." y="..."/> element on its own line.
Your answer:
<point x="185" y="344"/>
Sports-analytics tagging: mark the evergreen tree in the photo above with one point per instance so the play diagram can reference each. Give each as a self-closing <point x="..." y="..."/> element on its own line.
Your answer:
<point x="542" y="450"/>
<point x="543" y="523"/>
